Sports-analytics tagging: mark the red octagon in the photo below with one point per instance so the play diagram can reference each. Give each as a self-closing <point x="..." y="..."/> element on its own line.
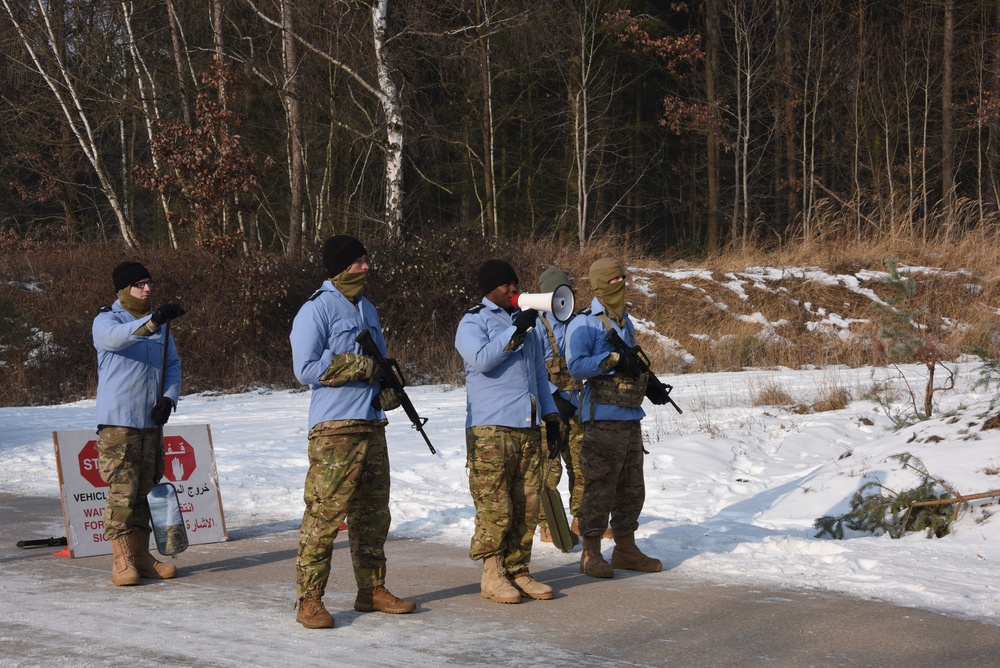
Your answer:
<point x="179" y="462"/>
<point x="88" y="465"/>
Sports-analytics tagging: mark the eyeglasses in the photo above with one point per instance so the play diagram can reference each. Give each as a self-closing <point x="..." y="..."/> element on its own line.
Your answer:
<point x="143" y="284"/>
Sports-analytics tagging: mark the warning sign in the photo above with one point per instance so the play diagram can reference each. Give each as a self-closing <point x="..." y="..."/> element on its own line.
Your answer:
<point x="189" y="464"/>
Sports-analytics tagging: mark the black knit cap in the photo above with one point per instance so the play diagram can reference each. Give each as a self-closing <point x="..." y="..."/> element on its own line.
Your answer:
<point x="127" y="273"/>
<point x="494" y="273"/>
<point x="340" y="252"/>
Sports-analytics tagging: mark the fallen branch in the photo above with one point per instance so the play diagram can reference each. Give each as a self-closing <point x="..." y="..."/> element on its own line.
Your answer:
<point x="956" y="499"/>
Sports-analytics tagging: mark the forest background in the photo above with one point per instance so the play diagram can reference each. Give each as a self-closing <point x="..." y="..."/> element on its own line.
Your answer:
<point x="220" y="141"/>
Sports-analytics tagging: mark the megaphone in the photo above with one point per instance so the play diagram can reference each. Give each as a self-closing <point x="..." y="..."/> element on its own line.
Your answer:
<point x="559" y="303"/>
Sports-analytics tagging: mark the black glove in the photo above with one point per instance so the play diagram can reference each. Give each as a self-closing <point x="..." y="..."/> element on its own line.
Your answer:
<point x="525" y="320"/>
<point x="657" y="393"/>
<point x="167" y="312"/>
<point x="565" y="407"/>
<point x="161" y="411"/>
<point x="627" y="367"/>
<point x="553" y="437"/>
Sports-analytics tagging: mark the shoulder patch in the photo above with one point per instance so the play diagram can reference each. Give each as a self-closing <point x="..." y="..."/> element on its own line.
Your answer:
<point x="475" y="309"/>
<point x="315" y="295"/>
<point x="104" y="309"/>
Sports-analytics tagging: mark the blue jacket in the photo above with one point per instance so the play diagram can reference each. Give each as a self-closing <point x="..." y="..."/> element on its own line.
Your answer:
<point x="501" y="386"/>
<point x="585" y="350"/>
<point x="328" y="325"/>
<point x="128" y="369"/>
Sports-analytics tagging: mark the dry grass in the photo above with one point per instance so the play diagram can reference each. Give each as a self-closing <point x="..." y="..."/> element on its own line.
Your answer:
<point x="772" y="394"/>
<point x="796" y="319"/>
<point x="728" y="317"/>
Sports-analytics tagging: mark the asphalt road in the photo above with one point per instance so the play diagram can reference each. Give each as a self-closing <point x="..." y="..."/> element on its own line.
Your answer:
<point x="231" y="605"/>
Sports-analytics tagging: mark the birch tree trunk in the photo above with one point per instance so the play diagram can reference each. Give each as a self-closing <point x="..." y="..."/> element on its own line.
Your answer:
<point x="391" y="107"/>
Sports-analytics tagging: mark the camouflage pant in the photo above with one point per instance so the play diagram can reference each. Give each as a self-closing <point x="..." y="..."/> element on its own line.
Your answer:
<point x="572" y="438"/>
<point x="504" y="477"/>
<point x="131" y="461"/>
<point x="348" y="479"/>
<point x="611" y="459"/>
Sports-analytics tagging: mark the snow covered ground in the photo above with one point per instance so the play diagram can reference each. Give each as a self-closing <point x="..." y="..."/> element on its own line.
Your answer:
<point x="733" y="489"/>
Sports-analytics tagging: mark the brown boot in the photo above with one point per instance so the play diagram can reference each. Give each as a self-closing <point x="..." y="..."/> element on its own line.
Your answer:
<point x="312" y="613"/>
<point x="495" y="584"/>
<point x="145" y="563"/>
<point x="592" y="562"/>
<point x="629" y="557"/>
<point x="544" y="533"/>
<point x="123" y="570"/>
<point x="372" y="599"/>
<point x="530" y="587"/>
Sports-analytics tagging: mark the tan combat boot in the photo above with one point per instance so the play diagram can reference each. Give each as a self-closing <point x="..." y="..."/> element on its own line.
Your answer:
<point x="145" y="563"/>
<point x="312" y="613"/>
<point x="123" y="570"/>
<point x="629" y="557"/>
<point x="372" y="599"/>
<point x="592" y="562"/>
<point x="530" y="587"/>
<point x="495" y="585"/>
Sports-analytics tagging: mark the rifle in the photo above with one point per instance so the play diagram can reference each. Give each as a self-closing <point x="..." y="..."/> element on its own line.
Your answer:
<point x="656" y="390"/>
<point x="392" y="377"/>
<point x="43" y="542"/>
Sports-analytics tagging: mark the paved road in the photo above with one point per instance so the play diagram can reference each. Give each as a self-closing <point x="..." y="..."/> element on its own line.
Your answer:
<point x="232" y="606"/>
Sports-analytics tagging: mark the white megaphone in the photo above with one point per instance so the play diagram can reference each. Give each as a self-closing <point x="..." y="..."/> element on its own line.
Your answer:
<point x="559" y="303"/>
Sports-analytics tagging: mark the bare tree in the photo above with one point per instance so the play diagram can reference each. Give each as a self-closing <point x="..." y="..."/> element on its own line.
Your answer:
<point x="146" y="85"/>
<point x="947" y="111"/>
<point x="589" y="102"/>
<point x="384" y="92"/>
<point x="713" y="166"/>
<point x="35" y="29"/>
<point x="752" y="46"/>
<point x="293" y="116"/>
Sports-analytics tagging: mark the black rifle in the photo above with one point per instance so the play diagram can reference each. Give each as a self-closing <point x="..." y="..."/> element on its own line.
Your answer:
<point x="656" y="390"/>
<point x="393" y="377"/>
<point x="43" y="542"/>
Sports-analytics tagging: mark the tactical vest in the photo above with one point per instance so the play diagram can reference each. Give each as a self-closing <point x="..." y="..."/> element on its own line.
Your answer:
<point x="558" y="373"/>
<point x="617" y="390"/>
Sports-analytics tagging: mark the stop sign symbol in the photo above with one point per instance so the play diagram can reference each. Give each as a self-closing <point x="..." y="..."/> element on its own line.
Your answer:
<point x="88" y="465"/>
<point x="179" y="462"/>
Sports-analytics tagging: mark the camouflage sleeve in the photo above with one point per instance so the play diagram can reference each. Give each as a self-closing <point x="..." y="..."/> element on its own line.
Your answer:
<point x="347" y="367"/>
<point x="146" y="328"/>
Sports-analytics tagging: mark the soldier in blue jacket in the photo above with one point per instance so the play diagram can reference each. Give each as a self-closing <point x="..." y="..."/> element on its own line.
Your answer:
<point x="348" y="459"/>
<point x="611" y="455"/>
<point x="507" y="401"/>
<point x="131" y="409"/>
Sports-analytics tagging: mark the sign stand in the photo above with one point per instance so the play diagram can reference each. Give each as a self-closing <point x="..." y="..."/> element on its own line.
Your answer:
<point x="189" y="466"/>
